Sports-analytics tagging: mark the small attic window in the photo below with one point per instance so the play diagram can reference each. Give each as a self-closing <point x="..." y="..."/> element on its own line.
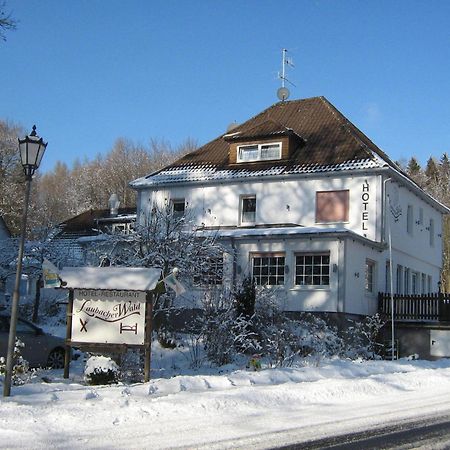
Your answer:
<point x="259" y="152"/>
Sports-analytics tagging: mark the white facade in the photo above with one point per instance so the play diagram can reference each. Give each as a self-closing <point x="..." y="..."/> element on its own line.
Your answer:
<point x="360" y="241"/>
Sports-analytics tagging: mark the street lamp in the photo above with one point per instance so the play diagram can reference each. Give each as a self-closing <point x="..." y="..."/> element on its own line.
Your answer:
<point x="31" y="149"/>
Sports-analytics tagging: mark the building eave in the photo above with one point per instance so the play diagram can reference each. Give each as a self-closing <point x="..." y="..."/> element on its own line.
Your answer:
<point x="293" y="232"/>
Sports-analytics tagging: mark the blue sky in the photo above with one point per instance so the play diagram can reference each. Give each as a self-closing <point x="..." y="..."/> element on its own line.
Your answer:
<point x="89" y="71"/>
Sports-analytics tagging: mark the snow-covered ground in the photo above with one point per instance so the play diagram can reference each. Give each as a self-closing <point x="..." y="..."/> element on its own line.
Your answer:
<point x="234" y="408"/>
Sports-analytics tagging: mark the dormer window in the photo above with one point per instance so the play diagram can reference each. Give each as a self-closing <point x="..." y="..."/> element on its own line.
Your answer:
<point x="259" y="152"/>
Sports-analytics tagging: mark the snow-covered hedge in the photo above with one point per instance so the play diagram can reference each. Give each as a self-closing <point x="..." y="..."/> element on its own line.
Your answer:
<point x="101" y="370"/>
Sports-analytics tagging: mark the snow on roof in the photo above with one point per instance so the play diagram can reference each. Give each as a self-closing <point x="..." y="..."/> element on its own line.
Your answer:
<point x="271" y="231"/>
<point x="110" y="278"/>
<point x="209" y="173"/>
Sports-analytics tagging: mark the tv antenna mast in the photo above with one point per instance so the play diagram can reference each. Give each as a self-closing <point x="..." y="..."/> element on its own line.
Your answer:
<point x="283" y="91"/>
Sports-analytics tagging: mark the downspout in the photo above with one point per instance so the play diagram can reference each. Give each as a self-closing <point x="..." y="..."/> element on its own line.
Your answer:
<point x="341" y="274"/>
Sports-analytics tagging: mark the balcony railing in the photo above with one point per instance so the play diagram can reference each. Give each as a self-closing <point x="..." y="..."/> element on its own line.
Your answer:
<point x="416" y="308"/>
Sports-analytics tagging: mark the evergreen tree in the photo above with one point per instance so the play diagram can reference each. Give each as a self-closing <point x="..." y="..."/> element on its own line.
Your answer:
<point x="413" y="167"/>
<point x="432" y="172"/>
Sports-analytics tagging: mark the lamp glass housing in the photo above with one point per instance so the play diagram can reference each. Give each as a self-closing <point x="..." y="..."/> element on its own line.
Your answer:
<point x="32" y="149"/>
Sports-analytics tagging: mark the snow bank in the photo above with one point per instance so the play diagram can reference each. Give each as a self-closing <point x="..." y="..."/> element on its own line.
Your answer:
<point x="237" y="409"/>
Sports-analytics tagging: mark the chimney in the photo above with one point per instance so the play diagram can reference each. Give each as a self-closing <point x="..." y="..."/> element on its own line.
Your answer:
<point x="114" y="205"/>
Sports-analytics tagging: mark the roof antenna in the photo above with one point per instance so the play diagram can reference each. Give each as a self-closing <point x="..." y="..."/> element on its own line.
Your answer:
<point x="283" y="91"/>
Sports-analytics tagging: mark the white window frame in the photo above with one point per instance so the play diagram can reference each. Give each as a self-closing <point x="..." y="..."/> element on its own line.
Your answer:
<point x="387" y="278"/>
<point x="279" y="269"/>
<point x="399" y="279"/>
<point x="424" y="283"/>
<point x="304" y="275"/>
<point x="431" y="229"/>
<point x="258" y="148"/>
<point x="370" y="277"/>
<point x="178" y="201"/>
<point x="415" y="283"/>
<point x="407" y="281"/>
<point x="211" y="274"/>
<point x="241" y="210"/>
<point x="409" y="219"/>
<point x="123" y="227"/>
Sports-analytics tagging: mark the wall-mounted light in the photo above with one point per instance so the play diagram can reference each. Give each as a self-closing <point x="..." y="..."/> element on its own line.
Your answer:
<point x="356" y="274"/>
<point x="286" y="269"/>
<point x="335" y="268"/>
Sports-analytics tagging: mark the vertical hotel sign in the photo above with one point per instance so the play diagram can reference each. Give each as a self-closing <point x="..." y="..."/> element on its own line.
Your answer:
<point x="108" y="317"/>
<point x="365" y="196"/>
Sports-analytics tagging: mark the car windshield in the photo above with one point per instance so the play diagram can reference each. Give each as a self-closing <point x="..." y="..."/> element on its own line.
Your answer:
<point x="23" y="327"/>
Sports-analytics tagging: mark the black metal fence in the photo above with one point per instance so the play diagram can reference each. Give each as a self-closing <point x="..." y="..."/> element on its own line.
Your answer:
<point x="416" y="308"/>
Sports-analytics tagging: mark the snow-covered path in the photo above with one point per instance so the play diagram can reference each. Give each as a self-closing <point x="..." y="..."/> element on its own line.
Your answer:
<point x="236" y="410"/>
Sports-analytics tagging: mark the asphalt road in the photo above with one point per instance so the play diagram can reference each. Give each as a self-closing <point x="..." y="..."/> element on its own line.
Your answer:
<point x="421" y="434"/>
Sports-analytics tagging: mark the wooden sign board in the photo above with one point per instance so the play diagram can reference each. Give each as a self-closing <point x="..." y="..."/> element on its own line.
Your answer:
<point x="108" y="317"/>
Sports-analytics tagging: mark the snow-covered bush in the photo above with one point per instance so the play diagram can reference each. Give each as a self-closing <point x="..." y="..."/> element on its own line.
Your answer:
<point x="216" y="325"/>
<point x="21" y="373"/>
<point x="195" y="345"/>
<point x="362" y="338"/>
<point x="282" y="339"/>
<point x="131" y="365"/>
<point x="252" y="322"/>
<point x="101" y="370"/>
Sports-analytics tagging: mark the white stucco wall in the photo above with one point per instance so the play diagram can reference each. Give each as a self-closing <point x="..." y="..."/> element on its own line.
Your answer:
<point x="356" y="299"/>
<point x="278" y="201"/>
<point x="416" y="243"/>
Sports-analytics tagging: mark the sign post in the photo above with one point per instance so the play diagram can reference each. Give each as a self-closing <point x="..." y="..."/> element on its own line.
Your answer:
<point x="109" y="308"/>
<point x="68" y="334"/>
<point x="148" y="336"/>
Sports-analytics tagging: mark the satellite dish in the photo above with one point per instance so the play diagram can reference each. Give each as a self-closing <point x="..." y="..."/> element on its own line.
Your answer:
<point x="283" y="93"/>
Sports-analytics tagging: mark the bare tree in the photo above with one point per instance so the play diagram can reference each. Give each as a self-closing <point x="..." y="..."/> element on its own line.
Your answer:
<point x="11" y="176"/>
<point x="63" y="192"/>
<point x="7" y="23"/>
<point x="166" y="241"/>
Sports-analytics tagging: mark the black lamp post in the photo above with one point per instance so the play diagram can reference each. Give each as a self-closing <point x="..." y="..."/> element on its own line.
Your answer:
<point x="32" y="149"/>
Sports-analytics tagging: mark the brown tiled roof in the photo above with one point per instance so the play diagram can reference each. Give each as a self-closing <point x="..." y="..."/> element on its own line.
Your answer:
<point x="87" y="222"/>
<point x="326" y="142"/>
<point x="265" y="129"/>
<point x="329" y="137"/>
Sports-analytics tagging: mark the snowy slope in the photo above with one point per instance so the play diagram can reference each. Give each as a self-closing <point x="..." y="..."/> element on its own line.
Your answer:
<point x="239" y="409"/>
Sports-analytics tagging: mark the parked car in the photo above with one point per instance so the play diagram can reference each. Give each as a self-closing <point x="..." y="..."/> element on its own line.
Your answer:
<point x="41" y="349"/>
